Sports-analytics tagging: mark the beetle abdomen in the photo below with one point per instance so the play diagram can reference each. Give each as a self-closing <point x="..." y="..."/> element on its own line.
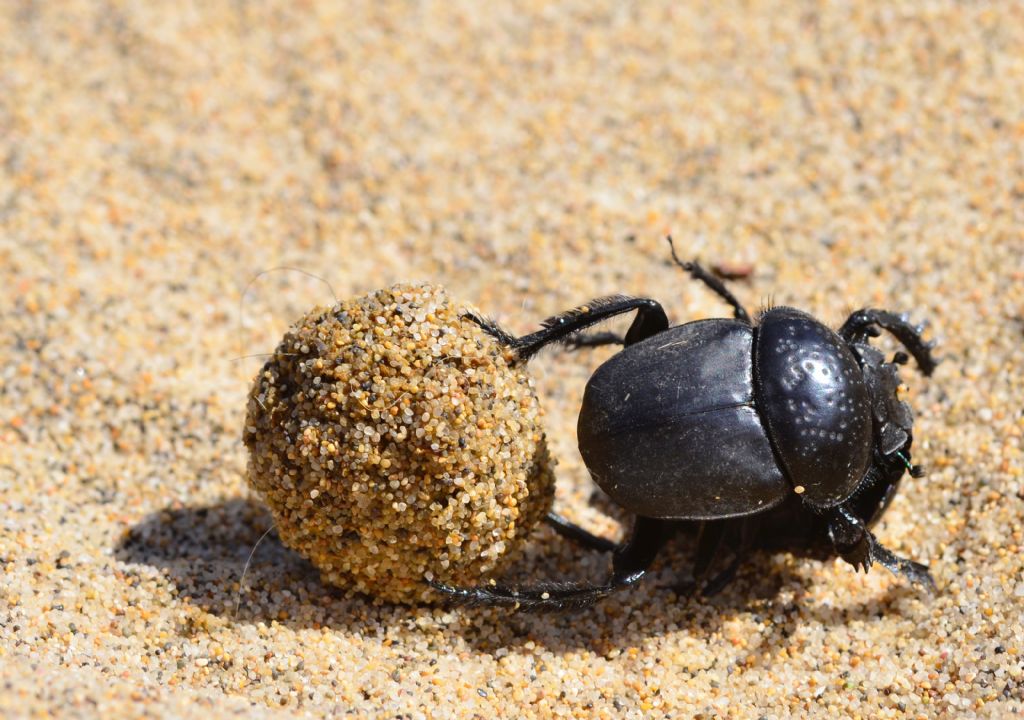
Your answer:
<point x="668" y="427"/>
<point x="813" y="399"/>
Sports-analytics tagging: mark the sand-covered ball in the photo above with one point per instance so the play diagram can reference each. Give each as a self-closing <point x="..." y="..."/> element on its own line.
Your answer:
<point x="393" y="441"/>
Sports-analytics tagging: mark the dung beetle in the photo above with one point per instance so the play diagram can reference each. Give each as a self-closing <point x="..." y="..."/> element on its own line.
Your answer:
<point x="770" y="433"/>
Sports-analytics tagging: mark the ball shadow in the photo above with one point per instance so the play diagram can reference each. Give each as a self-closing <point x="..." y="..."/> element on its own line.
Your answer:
<point x="203" y="551"/>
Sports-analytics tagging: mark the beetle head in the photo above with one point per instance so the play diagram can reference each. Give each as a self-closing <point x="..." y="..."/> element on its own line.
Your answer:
<point x="893" y="432"/>
<point x="893" y="420"/>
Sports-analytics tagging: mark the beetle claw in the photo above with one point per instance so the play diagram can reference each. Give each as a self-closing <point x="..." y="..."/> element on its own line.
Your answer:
<point x="490" y="327"/>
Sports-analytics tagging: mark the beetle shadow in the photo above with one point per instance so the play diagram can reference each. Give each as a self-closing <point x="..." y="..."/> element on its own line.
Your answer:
<point x="764" y="590"/>
<point x="788" y="619"/>
<point x="631" y="617"/>
<point x="203" y="551"/>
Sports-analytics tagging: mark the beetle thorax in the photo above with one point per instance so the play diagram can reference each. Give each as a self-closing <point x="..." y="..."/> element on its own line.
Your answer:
<point x="815" y="403"/>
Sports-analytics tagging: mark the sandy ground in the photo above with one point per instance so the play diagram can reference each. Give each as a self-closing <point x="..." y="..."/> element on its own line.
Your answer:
<point x="157" y="157"/>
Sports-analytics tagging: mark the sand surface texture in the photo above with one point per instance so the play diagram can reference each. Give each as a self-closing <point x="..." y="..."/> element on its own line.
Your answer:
<point x="156" y="157"/>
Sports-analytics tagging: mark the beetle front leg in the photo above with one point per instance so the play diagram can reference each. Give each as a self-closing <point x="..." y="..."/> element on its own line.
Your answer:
<point x="650" y="320"/>
<point x="861" y="323"/>
<point x="858" y="546"/>
<point x="629" y="565"/>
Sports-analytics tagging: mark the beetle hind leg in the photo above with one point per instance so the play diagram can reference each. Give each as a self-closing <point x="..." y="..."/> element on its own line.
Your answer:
<point x="710" y="539"/>
<point x="492" y="328"/>
<point x="594" y="339"/>
<point x="630" y="564"/>
<point x="650" y="320"/>
<point x="541" y="597"/>
<point x="570" y="530"/>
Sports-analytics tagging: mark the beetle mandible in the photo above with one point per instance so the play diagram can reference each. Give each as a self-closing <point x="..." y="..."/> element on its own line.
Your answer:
<point x="766" y="433"/>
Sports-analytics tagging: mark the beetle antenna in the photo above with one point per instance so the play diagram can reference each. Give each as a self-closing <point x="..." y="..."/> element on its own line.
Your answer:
<point x="914" y="470"/>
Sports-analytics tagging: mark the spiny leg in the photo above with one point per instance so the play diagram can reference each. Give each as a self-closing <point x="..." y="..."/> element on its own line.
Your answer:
<point x="859" y="547"/>
<point x="863" y="324"/>
<point x="574" y="532"/>
<point x="650" y="320"/>
<point x="629" y="564"/>
<point x="716" y="285"/>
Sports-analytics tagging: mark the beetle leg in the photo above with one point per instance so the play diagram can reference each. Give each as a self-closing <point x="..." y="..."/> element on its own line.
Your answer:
<point x="713" y="283"/>
<point x="719" y="582"/>
<point x="860" y="324"/>
<point x="710" y="538"/>
<point x="573" y="342"/>
<point x="859" y="547"/>
<point x="596" y="339"/>
<point x="492" y="328"/>
<point x="747" y="529"/>
<point x="629" y="564"/>
<point x="913" y="571"/>
<point x="710" y="541"/>
<point x="850" y="538"/>
<point x="574" y="532"/>
<point x="650" y="320"/>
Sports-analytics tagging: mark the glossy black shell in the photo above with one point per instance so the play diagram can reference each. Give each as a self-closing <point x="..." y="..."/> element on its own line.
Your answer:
<point x="668" y="426"/>
<point x="815" y="403"/>
<point x="681" y="426"/>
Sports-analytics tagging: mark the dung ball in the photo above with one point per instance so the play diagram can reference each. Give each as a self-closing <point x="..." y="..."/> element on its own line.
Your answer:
<point x="394" y="442"/>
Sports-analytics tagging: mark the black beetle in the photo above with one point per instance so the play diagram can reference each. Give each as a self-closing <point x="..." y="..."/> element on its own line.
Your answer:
<point x="768" y="434"/>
